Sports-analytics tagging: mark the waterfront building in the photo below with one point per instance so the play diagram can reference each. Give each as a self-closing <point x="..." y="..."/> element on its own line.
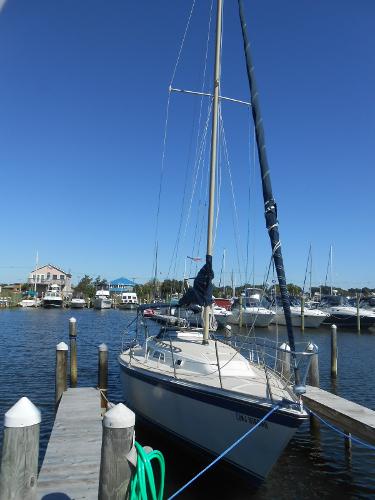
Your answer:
<point x="43" y="277"/>
<point x="121" y="285"/>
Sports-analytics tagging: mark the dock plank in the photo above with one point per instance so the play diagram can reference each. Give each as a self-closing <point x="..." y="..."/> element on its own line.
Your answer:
<point x="72" y="461"/>
<point x="348" y="416"/>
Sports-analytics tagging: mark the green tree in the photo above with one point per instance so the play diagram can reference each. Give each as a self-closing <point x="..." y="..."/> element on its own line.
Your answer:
<point x="85" y="287"/>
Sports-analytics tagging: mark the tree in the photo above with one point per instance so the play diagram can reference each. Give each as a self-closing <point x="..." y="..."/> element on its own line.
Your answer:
<point x="100" y="282"/>
<point x="85" y="287"/>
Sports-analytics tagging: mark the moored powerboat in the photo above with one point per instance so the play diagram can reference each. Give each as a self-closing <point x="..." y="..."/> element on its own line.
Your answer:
<point x="102" y="300"/>
<point x="78" y="303"/>
<point x="313" y="317"/>
<point x="129" y="300"/>
<point x="52" y="298"/>
<point x="341" y="313"/>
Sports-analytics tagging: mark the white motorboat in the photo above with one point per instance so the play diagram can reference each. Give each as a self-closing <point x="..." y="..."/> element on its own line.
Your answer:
<point x="53" y="298"/>
<point x="102" y="300"/>
<point x="209" y="392"/>
<point x="339" y="312"/>
<point x="194" y="316"/>
<point x="221" y="314"/>
<point x="78" y="303"/>
<point x="253" y="313"/>
<point x="129" y="300"/>
<point x="30" y="302"/>
<point x="313" y="317"/>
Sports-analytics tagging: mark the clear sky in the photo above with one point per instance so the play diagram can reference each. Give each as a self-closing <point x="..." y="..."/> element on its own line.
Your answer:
<point x="83" y="100"/>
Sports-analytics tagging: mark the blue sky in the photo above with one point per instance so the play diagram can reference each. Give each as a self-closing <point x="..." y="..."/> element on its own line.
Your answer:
<point x="83" y="99"/>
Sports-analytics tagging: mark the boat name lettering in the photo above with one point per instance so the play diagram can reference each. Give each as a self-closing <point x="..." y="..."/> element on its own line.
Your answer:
<point x="241" y="417"/>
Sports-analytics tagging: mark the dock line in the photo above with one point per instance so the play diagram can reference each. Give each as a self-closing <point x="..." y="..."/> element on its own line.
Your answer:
<point x="225" y="452"/>
<point x="339" y="431"/>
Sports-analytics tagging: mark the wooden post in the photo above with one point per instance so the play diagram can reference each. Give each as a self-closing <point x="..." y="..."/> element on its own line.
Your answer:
<point x="117" y="441"/>
<point x="302" y="313"/>
<point x="240" y="321"/>
<point x="285" y="360"/>
<point x="314" y="365"/>
<point x="358" y="315"/>
<point x="73" y="352"/>
<point x="333" y="351"/>
<point x="61" y="369"/>
<point x="19" y="461"/>
<point x="103" y="376"/>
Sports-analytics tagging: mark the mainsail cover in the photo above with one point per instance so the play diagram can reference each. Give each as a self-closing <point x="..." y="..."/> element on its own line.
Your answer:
<point x="201" y="292"/>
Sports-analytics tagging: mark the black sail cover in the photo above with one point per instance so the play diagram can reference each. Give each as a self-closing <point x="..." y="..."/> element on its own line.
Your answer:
<point x="201" y="292"/>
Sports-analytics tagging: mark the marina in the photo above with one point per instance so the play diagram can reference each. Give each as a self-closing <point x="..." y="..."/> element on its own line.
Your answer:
<point x="213" y="370"/>
<point x="320" y="455"/>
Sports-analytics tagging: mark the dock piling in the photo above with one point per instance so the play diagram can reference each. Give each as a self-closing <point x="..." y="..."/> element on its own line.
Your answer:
<point x="117" y="441"/>
<point x="302" y="313"/>
<point x="241" y="312"/>
<point x="285" y="360"/>
<point x="19" y="462"/>
<point x="358" y="314"/>
<point x="103" y="376"/>
<point x="73" y="352"/>
<point x="333" y="351"/>
<point x="61" y="371"/>
<point x="314" y="365"/>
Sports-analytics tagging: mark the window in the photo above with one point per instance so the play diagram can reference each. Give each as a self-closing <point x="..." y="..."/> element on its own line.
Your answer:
<point x="62" y="277"/>
<point x="54" y="277"/>
<point x="159" y="355"/>
<point x="38" y="277"/>
<point x="48" y="276"/>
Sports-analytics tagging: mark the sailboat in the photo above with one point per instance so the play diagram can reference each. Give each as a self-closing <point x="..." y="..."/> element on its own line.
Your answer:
<point x="209" y="392"/>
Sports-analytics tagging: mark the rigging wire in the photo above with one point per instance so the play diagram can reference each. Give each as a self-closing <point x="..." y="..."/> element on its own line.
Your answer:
<point x="154" y="270"/>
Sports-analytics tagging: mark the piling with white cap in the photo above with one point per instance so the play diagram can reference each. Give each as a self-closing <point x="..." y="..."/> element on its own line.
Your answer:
<point x="73" y="352"/>
<point x="117" y="441"/>
<point x="61" y="371"/>
<point x="19" y="461"/>
<point x="284" y="356"/>
<point x="314" y="365"/>
<point x="103" y="376"/>
<point x="333" y="351"/>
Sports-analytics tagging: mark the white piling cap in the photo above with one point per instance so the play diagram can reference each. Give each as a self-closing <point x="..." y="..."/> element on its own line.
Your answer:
<point x="103" y="347"/>
<point x="119" y="417"/>
<point x="285" y="347"/>
<point x="228" y="327"/>
<point x="61" y="347"/>
<point x="23" y="414"/>
<point x="72" y="320"/>
<point x="334" y="327"/>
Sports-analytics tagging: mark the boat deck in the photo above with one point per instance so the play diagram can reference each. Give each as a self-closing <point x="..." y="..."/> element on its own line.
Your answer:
<point x="245" y="378"/>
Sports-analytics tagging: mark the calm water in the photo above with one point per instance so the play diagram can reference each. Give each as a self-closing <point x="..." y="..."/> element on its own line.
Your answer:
<point x="312" y="466"/>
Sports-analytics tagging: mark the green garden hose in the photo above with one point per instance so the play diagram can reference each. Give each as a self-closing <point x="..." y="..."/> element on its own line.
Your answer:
<point x="143" y="482"/>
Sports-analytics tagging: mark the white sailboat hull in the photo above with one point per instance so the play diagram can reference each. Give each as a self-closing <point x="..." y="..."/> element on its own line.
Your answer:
<point x="208" y="420"/>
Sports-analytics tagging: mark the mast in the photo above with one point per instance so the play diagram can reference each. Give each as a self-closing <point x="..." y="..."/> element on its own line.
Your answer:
<point x="215" y="118"/>
<point x="269" y="202"/>
<point x="310" y="270"/>
<point x="330" y="267"/>
<point x="36" y="267"/>
<point x="224" y="272"/>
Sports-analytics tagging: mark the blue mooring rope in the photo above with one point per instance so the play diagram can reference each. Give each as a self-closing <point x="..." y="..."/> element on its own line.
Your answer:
<point x="339" y="431"/>
<point x="273" y="409"/>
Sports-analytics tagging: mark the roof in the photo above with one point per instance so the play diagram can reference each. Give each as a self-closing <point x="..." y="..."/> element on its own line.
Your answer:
<point x="54" y="267"/>
<point x="122" y="281"/>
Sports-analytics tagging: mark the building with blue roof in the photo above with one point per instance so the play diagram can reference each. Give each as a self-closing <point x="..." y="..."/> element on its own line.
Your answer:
<point x="121" y="285"/>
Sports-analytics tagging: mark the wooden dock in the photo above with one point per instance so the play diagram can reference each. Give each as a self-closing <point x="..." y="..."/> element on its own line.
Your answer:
<point x="72" y="461"/>
<point x="346" y="415"/>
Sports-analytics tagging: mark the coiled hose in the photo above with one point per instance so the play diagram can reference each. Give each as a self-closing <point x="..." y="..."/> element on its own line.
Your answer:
<point x="144" y="481"/>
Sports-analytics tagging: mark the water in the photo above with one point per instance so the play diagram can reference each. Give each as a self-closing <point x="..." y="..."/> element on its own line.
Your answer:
<point x="314" y="465"/>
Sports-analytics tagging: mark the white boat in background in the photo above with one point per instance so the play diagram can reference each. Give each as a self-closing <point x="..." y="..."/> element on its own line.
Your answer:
<point x="78" y="303"/>
<point x="210" y="392"/>
<point x="340" y="312"/>
<point x="194" y="316"/>
<point x="129" y="300"/>
<point x="53" y="298"/>
<point x="35" y="302"/>
<point x="102" y="300"/>
<point x="253" y="313"/>
<point x="221" y="315"/>
<point x="313" y="317"/>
